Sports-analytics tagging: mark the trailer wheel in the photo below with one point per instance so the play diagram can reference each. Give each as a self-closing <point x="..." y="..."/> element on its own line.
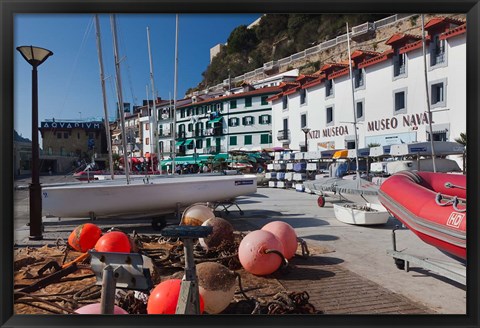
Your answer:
<point x="321" y="201"/>
<point x="159" y="223"/>
<point x="399" y="263"/>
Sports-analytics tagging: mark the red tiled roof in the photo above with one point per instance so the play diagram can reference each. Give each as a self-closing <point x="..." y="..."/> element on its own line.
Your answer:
<point x="411" y="46"/>
<point x="339" y="73"/>
<point x="380" y="58"/>
<point x="291" y="90"/>
<point x="454" y="32"/>
<point x="275" y="97"/>
<point x="306" y="77"/>
<point x="236" y="95"/>
<point x="402" y="37"/>
<point x="330" y="66"/>
<point x="363" y="53"/>
<point x="315" y="82"/>
<point x="439" y="21"/>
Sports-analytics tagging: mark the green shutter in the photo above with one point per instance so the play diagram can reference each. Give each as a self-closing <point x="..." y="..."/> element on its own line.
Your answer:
<point x="209" y="142"/>
<point x="248" y="102"/>
<point x="264" y="100"/>
<point x="248" y="140"/>
<point x="233" y="104"/>
<point x="264" y="139"/>
<point x="233" y="140"/>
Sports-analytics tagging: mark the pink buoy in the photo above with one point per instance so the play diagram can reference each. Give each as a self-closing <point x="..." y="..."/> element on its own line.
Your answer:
<point x="286" y="234"/>
<point x="96" y="308"/>
<point x="251" y="252"/>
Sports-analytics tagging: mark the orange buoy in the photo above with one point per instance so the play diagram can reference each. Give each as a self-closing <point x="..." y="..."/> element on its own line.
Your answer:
<point x="84" y="237"/>
<point x="222" y="232"/>
<point x="196" y="214"/>
<point x="286" y="234"/>
<point x="253" y="256"/>
<point x="113" y="241"/>
<point x="96" y="308"/>
<point x="164" y="298"/>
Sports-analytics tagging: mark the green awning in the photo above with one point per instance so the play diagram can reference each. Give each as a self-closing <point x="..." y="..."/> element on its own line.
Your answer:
<point x="189" y="141"/>
<point x="215" y="120"/>
<point x="221" y="155"/>
<point x="179" y="143"/>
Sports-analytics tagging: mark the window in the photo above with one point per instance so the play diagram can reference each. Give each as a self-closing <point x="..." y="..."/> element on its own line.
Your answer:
<point x="359" y="110"/>
<point x="199" y="143"/>
<point x="219" y="107"/>
<point x="233" y="140"/>
<point x="190" y="127"/>
<point x="265" y="139"/>
<point x="182" y="113"/>
<point x="400" y="101"/>
<point x="303" y="121"/>
<point x="264" y="100"/>
<point x="350" y="144"/>
<point x="78" y="135"/>
<point x="208" y="125"/>
<point x="247" y="140"/>
<point x="437" y="51"/>
<point x="248" y="102"/>
<point x="233" y="103"/>
<point x="437" y="94"/>
<point x="208" y="142"/>
<point x="147" y="141"/>
<point x="59" y="135"/>
<point x="358" y="79"/>
<point x="147" y="126"/>
<point x="437" y="136"/>
<point x="303" y="96"/>
<point x="248" y="120"/>
<point x="284" y="102"/>
<point x="399" y="64"/>
<point x="265" y="119"/>
<point x="328" y="88"/>
<point x="233" y="121"/>
<point x="329" y="115"/>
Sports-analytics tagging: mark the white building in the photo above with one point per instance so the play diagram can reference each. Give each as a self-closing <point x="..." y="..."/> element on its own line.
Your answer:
<point x="389" y="98"/>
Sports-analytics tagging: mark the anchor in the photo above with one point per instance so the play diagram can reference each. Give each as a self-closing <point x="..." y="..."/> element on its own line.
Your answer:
<point x="189" y="298"/>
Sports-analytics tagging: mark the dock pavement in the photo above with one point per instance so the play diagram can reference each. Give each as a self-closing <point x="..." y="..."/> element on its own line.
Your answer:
<point x="354" y="274"/>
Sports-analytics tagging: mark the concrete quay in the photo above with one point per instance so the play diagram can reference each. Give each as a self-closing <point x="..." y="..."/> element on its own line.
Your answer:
<point x="354" y="254"/>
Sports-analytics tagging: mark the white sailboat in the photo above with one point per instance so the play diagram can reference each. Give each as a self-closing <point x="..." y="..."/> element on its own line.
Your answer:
<point x="141" y="196"/>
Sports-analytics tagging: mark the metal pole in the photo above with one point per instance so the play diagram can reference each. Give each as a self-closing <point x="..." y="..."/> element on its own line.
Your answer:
<point x="105" y="109"/>
<point x="306" y="145"/>
<point x="427" y="96"/>
<point x="175" y="93"/>
<point x="155" y="114"/>
<point x="108" y="291"/>
<point x="119" y="95"/>
<point x="354" y="112"/>
<point x="189" y="300"/>
<point x="35" y="188"/>
<point x="152" y="149"/>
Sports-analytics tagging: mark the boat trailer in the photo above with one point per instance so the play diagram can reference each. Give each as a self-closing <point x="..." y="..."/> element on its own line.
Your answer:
<point x="453" y="271"/>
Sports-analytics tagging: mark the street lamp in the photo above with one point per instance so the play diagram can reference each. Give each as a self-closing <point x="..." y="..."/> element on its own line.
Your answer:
<point x="35" y="56"/>
<point x="306" y="130"/>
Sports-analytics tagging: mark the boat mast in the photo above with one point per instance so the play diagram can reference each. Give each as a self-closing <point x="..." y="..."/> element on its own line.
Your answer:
<point x="175" y="94"/>
<point x="113" y="23"/>
<point x="353" y="102"/>
<point x="155" y="114"/>
<point x="105" y="109"/>
<point x="150" y="130"/>
<point x="426" y="92"/>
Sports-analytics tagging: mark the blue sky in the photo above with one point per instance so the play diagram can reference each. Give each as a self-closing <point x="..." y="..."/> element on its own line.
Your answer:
<point x="69" y="81"/>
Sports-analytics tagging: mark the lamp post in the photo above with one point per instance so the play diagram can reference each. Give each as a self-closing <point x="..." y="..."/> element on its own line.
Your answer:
<point x="306" y="130"/>
<point x="35" y="56"/>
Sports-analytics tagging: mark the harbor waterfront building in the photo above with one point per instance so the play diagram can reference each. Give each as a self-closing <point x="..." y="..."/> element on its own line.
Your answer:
<point x="389" y="98"/>
<point x="65" y="142"/>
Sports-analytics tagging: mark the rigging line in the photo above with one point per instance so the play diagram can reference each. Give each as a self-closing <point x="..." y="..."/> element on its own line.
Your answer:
<point x="75" y="62"/>
<point x="125" y="57"/>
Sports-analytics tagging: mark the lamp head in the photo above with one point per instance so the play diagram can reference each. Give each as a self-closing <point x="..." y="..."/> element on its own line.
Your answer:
<point x="35" y="56"/>
<point x="305" y="130"/>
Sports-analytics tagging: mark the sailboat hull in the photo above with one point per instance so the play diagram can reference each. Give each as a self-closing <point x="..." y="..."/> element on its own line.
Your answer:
<point x="114" y="198"/>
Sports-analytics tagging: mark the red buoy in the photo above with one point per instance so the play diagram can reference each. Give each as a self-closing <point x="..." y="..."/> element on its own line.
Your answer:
<point x="164" y="298"/>
<point x="114" y="241"/>
<point x="84" y="237"/>
<point x="286" y="234"/>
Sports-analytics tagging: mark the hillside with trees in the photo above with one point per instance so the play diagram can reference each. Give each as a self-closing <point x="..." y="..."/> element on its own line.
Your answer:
<point x="276" y="36"/>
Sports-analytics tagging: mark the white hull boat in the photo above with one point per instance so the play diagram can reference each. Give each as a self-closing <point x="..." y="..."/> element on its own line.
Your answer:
<point x="116" y="197"/>
<point x="357" y="214"/>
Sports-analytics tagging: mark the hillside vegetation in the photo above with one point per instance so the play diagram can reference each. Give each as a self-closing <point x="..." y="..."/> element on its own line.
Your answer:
<point x="276" y="36"/>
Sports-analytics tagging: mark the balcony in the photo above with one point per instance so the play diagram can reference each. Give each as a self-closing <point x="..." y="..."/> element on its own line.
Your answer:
<point x="181" y="135"/>
<point x="283" y="135"/>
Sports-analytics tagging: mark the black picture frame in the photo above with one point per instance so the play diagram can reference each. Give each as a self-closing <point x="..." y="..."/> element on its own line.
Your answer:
<point x="9" y="8"/>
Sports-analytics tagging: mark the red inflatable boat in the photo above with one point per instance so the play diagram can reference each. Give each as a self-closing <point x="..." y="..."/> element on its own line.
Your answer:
<point x="432" y="205"/>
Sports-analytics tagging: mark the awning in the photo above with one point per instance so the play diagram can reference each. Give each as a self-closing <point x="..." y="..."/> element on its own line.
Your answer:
<point x="188" y="142"/>
<point x="221" y="155"/>
<point x="179" y="143"/>
<point x="215" y="120"/>
<point x="340" y="154"/>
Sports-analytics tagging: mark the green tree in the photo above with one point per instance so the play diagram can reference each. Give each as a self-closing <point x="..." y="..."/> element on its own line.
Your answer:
<point x="241" y="39"/>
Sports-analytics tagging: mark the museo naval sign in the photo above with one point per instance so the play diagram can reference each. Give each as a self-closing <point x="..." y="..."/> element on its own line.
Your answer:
<point x="391" y="123"/>
<point x="72" y="125"/>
